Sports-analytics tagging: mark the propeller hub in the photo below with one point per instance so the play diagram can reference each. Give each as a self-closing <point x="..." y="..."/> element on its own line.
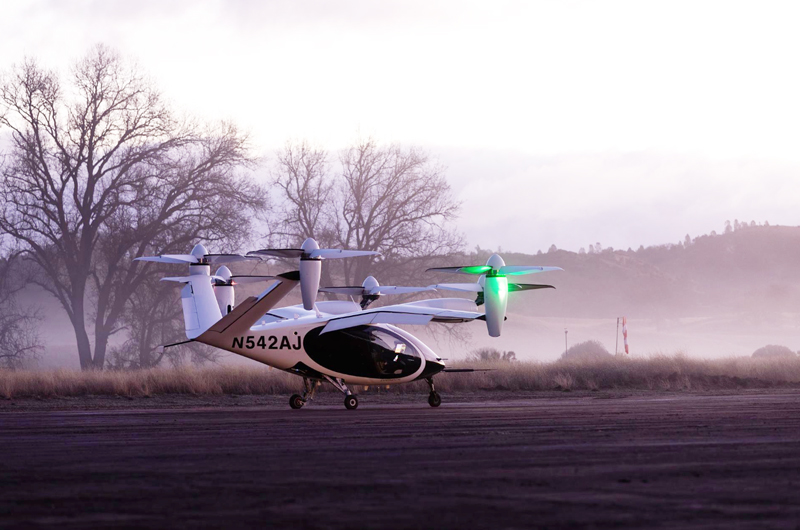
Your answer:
<point x="495" y="262"/>
<point x="370" y="283"/>
<point x="309" y="246"/>
<point x="224" y="273"/>
<point x="199" y="251"/>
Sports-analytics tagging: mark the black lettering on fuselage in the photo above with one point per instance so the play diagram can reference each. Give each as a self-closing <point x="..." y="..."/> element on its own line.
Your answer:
<point x="266" y="343"/>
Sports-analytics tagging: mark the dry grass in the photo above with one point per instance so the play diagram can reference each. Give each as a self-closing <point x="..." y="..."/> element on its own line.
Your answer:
<point x="658" y="372"/>
<point x="195" y="381"/>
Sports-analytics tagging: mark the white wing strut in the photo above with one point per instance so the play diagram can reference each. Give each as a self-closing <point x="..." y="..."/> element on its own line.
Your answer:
<point x="400" y="314"/>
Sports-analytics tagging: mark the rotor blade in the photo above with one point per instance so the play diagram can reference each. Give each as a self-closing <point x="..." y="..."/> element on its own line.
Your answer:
<point x="170" y="258"/>
<point x="180" y="279"/>
<point x="391" y="289"/>
<point x="463" y="287"/>
<point x="333" y="253"/>
<point x="514" y="287"/>
<point x="227" y="258"/>
<point x="277" y="252"/>
<point x="512" y="270"/>
<point x="252" y="278"/>
<point x="469" y="269"/>
<point x="352" y="291"/>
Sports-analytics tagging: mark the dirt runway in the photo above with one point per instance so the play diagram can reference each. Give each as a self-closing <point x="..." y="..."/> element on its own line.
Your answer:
<point x="594" y="461"/>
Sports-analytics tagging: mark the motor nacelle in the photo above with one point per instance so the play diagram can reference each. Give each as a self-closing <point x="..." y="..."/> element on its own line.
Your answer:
<point x="223" y="290"/>
<point x="492" y="287"/>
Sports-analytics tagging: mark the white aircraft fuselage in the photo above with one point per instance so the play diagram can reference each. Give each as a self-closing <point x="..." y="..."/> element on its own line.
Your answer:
<point x="365" y="355"/>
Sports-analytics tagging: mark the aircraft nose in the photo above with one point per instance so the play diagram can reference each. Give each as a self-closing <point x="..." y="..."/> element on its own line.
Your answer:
<point x="431" y="368"/>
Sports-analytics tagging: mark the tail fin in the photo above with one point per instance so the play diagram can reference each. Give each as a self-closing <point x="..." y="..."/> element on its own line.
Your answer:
<point x="248" y="312"/>
<point x="200" y="307"/>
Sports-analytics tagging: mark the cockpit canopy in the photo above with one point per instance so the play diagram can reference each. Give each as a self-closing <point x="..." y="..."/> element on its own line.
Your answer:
<point x="364" y="351"/>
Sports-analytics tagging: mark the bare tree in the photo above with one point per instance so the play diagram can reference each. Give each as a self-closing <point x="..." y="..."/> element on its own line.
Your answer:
<point x="19" y="337"/>
<point x="153" y="317"/>
<point x="393" y="200"/>
<point x="390" y="199"/>
<point x="101" y="172"/>
<point x="302" y="174"/>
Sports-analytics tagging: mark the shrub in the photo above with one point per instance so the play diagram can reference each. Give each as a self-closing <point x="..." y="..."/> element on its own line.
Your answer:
<point x="774" y="350"/>
<point x="491" y="354"/>
<point x="589" y="350"/>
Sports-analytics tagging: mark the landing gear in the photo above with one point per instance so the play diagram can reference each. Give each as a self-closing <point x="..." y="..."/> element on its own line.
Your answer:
<point x="434" y="399"/>
<point x="296" y="401"/>
<point x="309" y="389"/>
<point x="350" y="401"/>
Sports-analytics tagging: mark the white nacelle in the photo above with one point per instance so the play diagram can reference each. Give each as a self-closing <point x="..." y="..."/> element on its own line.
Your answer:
<point x="495" y="297"/>
<point x="200" y="309"/>
<point x="310" y="272"/>
<point x="224" y="293"/>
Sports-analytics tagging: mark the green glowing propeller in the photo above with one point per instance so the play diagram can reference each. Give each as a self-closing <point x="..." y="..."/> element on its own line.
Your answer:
<point x="493" y="287"/>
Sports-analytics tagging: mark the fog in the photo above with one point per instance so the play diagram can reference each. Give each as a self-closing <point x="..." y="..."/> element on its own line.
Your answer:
<point x="570" y="123"/>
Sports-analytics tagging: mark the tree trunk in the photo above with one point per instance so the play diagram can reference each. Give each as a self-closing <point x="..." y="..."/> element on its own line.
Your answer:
<point x="78" y="320"/>
<point x="84" y="346"/>
<point x="100" y="347"/>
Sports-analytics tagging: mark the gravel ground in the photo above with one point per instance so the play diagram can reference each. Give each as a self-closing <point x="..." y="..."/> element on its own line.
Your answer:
<point x="482" y="460"/>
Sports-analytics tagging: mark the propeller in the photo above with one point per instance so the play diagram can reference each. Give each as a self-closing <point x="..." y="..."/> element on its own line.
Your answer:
<point x="200" y="261"/>
<point x="370" y="290"/>
<point x="311" y="257"/>
<point x="493" y="286"/>
<point x="198" y="256"/>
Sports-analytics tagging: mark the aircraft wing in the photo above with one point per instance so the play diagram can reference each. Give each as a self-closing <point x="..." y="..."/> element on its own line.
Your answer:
<point x="399" y="314"/>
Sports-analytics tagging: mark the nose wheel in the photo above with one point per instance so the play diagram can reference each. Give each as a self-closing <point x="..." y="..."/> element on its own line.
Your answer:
<point x="434" y="399"/>
<point x="350" y="402"/>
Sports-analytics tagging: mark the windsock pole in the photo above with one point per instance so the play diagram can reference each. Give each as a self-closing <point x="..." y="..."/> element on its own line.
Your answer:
<point x="625" y="334"/>
<point x="616" y="339"/>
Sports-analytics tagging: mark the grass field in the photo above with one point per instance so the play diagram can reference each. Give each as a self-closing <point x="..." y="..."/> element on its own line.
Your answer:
<point x="654" y="373"/>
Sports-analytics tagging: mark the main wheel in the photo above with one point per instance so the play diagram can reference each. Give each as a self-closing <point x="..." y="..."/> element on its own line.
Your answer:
<point x="350" y="402"/>
<point x="296" y="402"/>
<point x="434" y="400"/>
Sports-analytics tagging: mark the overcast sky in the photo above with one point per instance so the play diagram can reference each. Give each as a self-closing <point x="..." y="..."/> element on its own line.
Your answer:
<point x="560" y="122"/>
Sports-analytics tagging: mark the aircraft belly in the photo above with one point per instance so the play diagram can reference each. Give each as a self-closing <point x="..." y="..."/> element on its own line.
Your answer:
<point x="358" y="380"/>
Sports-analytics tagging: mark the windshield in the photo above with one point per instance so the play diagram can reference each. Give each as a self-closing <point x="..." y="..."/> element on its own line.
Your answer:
<point x="365" y="351"/>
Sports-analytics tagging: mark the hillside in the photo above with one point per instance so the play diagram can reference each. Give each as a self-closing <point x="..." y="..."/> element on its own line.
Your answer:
<point x="751" y="270"/>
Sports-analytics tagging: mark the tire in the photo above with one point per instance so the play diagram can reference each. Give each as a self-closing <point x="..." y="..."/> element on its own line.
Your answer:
<point x="296" y="402"/>
<point x="434" y="399"/>
<point x="350" y="402"/>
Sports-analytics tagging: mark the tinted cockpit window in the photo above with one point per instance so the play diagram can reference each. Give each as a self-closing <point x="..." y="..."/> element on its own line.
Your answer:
<point x="364" y="351"/>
